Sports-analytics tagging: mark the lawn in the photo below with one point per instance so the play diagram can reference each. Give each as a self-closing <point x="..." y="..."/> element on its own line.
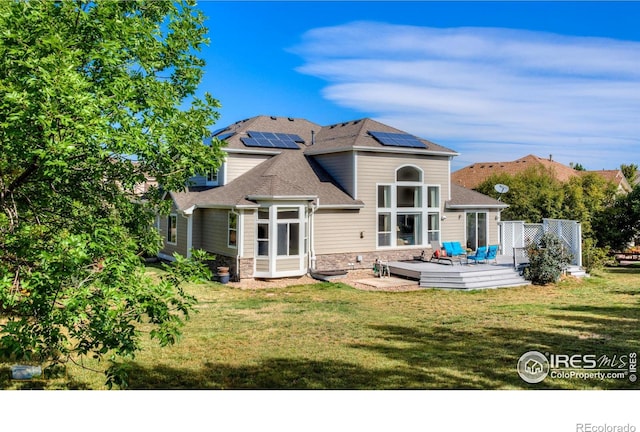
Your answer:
<point x="332" y="336"/>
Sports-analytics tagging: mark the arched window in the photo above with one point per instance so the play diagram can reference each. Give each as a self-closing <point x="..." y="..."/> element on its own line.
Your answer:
<point x="409" y="174"/>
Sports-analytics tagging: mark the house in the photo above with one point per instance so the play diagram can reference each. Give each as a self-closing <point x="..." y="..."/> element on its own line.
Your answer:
<point x="293" y="196"/>
<point x="473" y="175"/>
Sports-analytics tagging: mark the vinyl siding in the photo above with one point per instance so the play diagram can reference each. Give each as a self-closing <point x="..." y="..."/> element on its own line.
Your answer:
<point x="262" y="265"/>
<point x="197" y="229"/>
<point x="248" y="234"/>
<point x="338" y="231"/>
<point x="238" y="164"/>
<point x="181" y="244"/>
<point x="340" y="167"/>
<point x="287" y="264"/>
<point x="214" y="232"/>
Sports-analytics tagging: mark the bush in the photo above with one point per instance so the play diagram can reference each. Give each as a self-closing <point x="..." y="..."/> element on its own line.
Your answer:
<point x="547" y="260"/>
<point x="593" y="257"/>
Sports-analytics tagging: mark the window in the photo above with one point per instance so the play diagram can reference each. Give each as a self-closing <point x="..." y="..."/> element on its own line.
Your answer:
<point x="384" y="196"/>
<point x="172" y="229"/>
<point x="288" y="232"/>
<point x="408" y="208"/>
<point x="212" y="176"/>
<point x="433" y="197"/>
<point x="263" y="232"/>
<point x="384" y="229"/>
<point x="433" y="228"/>
<point x="408" y="174"/>
<point x="232" y="240"/>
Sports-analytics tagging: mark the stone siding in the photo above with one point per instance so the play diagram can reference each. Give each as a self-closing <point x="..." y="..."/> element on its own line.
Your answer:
<point x="342" y="261"/>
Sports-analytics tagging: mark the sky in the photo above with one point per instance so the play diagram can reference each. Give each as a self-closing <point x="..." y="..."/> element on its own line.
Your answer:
<point x="494" y="81"/>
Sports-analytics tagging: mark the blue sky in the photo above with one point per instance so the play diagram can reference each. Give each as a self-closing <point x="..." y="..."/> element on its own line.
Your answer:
<point x="492" y="80"/>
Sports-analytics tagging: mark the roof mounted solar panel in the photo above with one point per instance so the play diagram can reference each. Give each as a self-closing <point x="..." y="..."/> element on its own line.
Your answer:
<point x="225" y="136"/>
<point x="397" y="139"/>
<point x="272" y="140"/>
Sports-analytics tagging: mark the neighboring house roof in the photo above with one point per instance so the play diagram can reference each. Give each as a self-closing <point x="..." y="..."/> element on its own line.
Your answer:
<point x="617" y="178"/>
<point x="473" y="175"/>
<point x="462" y="198"/>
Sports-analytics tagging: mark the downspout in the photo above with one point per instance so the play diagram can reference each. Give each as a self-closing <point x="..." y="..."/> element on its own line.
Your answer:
<point x="312" y="252"/>
<point x="239" y="237"/>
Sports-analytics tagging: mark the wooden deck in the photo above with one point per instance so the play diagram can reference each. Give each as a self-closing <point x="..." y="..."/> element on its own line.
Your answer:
<point x="464" y="277"/>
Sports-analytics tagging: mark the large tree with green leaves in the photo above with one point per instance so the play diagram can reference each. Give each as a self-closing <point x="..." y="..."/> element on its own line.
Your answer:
<point x="85" y="86"/>
<point x="619" y="224"/>
<point x="535" y="194"/>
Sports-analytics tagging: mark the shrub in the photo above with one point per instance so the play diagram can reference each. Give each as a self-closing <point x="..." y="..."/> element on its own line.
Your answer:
<point x="547" y="260"/>
<point x="593" y="257"/>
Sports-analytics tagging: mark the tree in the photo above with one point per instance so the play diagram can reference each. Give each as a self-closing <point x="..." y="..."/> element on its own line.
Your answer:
<point x="577" y="166"/>
<point x="619" y="224"/>
<point x="536" y="194"/>
<point x="630" y="172"/>
<point x="533" y="194"/>
<point x="84" y="86"/>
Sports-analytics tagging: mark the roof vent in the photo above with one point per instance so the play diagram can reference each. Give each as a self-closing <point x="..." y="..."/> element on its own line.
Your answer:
<point x="290" y="118"/>
<point x="274" y="118"/>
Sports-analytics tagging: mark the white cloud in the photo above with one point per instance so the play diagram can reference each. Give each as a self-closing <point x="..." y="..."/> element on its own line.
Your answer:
<point x="489" y="93"/>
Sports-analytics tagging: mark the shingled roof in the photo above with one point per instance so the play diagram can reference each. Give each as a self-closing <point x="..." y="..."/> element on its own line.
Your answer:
<point x="289" y="174"/>
<point x="473" y="175"/>
<point x="354" y="135"/>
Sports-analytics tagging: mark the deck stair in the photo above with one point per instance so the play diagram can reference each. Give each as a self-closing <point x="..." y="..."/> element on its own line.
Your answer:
<point x="469" y="277"/>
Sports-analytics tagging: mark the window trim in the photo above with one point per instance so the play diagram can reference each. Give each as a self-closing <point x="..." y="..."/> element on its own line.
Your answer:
<point x="172" y="216"/>
<point x="234" y="229"/>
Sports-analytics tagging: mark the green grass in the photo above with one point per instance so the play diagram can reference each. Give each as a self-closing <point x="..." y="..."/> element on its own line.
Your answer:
<point x="331" y="336"/>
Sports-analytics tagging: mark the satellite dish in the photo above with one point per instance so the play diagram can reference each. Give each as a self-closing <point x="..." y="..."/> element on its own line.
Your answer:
<point x="501" y="188"/>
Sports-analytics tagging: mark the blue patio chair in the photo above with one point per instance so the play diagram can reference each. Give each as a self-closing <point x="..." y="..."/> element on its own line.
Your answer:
<point x="492" y="254"/>
<point x="455" y="251"/>
<point x="480" y="255"/>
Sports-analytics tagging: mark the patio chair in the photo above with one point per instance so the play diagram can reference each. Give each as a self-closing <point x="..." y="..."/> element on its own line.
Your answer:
<point x="455" y="251"/>
<point x="479" y="256"/>
<point x="492" y="254"/>
<point x="438" y="254"/>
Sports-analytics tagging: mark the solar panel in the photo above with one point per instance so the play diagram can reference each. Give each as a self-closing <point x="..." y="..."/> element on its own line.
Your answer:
<point x="397" y="139"/>
<point x="272" y="140"/>
<point x="225" y="136"/>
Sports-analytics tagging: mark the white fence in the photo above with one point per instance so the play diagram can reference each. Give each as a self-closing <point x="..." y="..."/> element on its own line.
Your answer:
<point x="516" y="235"/>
